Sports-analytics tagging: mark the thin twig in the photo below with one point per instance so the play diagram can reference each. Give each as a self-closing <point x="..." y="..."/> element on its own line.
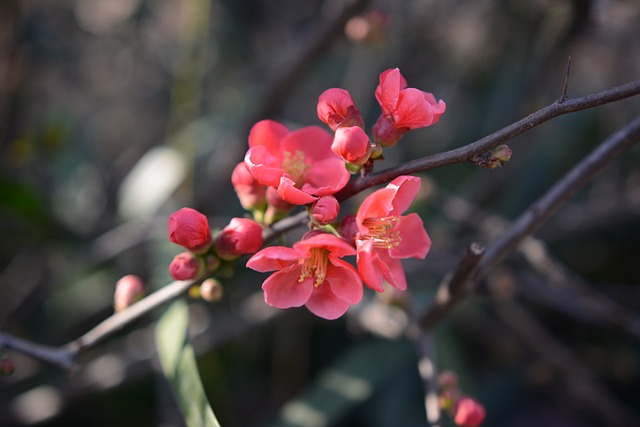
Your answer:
<point x="464" y="153"/>
<point x="565" y="83"/>
<point x="428" y="368"/>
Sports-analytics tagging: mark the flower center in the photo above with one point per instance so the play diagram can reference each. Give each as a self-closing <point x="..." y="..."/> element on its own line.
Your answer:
<point x="382" y="231"/>
<point x="315" y="266"/>
<point x="295" y="166"/>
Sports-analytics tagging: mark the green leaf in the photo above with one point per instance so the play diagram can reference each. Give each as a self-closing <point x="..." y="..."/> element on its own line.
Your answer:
<point x="179" y="366"/>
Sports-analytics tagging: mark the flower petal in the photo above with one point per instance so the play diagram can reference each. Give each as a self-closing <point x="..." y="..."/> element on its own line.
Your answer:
<point x="264" y="166"/>
<point x="344" y="281"/>
<point x="337" y="246"/>
<point x="323" y="303"/>
<point x="312" y="141"/>
<point x="387" y="92"/>
<point x="273" y="258"/>
<point x="405" y="190"/>
<point x="267" y="133"/>
<point x="412" y="110"/>
<point x="326" y="177"/>
<point x="283" y="290"/>
<point x="414" y="240"/>
<point x="393" y="272"/>
<point x="369" y="265"/>
<point x="289" y="193"/>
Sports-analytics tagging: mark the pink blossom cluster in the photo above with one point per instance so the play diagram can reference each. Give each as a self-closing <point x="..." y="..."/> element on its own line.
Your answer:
<point x="190" y="229"/>
<point x="286" y="168"/>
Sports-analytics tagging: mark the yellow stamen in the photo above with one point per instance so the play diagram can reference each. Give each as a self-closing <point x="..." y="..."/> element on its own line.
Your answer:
<point x="382" y="231"/>
<point x="315" y="266"/>
<point x="295" y="166"/>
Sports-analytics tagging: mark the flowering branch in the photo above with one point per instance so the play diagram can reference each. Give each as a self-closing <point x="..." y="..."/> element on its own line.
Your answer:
<point x="465" y="153"/>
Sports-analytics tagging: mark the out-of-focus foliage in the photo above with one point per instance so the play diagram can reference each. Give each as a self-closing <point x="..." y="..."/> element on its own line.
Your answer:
<point x="113" y="114"/>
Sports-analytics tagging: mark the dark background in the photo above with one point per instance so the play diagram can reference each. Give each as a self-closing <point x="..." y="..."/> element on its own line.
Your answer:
<point x="113" y="114"/>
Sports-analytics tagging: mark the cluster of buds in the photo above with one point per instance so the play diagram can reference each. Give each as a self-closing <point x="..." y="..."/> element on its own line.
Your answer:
<point x="207" y="251"/>
<point x="403" y="109"/>
<point x="465" y="411"/>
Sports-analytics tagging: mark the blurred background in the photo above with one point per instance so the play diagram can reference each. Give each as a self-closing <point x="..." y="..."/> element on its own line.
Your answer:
<point x="114" y="114"/>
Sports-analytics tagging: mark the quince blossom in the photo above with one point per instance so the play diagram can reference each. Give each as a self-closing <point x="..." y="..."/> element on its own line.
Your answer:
<point x="385" y="236"/>
<point x="299" y="163"/>
<point x="190" y="229"/>
<point x="337" y="109"/>
<point x="403" y="109"/>
<point x="311" y="274"/>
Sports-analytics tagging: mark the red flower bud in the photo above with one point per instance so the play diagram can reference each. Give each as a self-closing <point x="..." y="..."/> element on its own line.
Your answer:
<point x="352" y="144"/>
<point x="242" y="236"/>
<point x="469" y="412"/>
<point x="337" y="109"/>
<point x="185" y="266"/>
<point x="325" y="210"/>
<point x="129" y="289"/>
<point x="190" y="229"/>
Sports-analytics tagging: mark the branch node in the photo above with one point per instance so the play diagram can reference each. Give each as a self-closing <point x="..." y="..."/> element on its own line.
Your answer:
<point x="565" y="84"/>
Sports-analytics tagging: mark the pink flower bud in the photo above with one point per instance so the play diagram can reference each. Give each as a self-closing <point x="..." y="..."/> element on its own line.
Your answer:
<point x="129" y="289"/>
<point x="337" y="109"/>
<point x="325" y="210"/>
<point x="250" y="192"/>
<point x="242" y="236"/>
<point x="211" y="290"/>
<point x="185" y="266"/>
<point x="469" y="412"/>
<point x="190" y="229"/>
<point x="352" y="144"/>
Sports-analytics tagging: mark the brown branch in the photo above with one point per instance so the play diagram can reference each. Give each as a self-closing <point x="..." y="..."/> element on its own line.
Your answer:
<point x="464" y="153"/>
<point x="450" y="291"/>
<point x="65" y="355"/>
<point x="536" y="215"/>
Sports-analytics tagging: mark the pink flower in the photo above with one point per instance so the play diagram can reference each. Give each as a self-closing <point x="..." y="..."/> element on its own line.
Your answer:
<point x="337" y="109"/>
<point x="190" y="229"/>
<point x="385" y="236"/>
<point x="300" y="163"/>
<point x="469" y="412"/>
<point x="403" y="108"/>
<point x="250" y="192"/>
<point x="185" y="266"/>
<point x="129" y="289"/>
<point x="325" y="210"/>
<point x="311" y="274"/>
<point x="242" y="236"/>
<point x="352" y="144"/>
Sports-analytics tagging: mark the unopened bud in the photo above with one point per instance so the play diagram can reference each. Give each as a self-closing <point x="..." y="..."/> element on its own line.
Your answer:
<point x="211" y="290"/>
<point x="325" y="210"/>
<point x="186" y="266"/>
<point x="129" y="289"/>
<point x="352" y="144"/>
<point x="241" y="237"/>
<point x="190" y="229"/>
<point x="469" y="412"/>
<point x="492" y="159"/>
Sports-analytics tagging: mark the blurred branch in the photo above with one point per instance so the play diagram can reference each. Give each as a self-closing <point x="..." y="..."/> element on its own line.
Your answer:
<point x="587" y="389"/>
<point x="428" y="368"/>
<point x="463" y="154"/>
<point x="279" y="88"/>
<point x="65" y="355"/>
